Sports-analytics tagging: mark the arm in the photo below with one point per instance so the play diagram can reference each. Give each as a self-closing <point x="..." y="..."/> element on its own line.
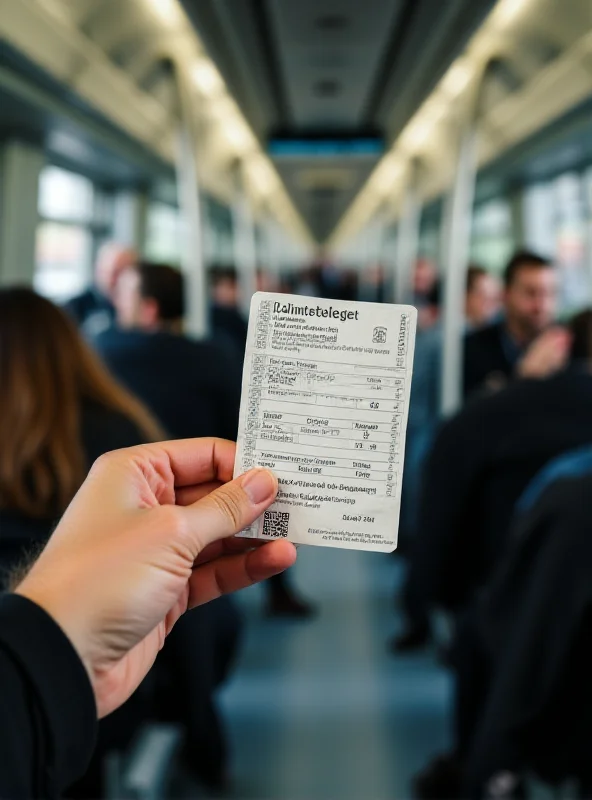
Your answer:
<point x="226" y="386"/>
<point x="47" y="708"/>
<point x="473" y="376"/>
<point x="440" y="571"/>
<point x="148" y="537"/>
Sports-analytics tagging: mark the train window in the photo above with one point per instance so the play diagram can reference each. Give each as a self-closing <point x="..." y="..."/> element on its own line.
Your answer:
<point x="64" y="195"/>
<point x="492" y="239"/>
<point x="65" y="234"/>
<point x="219" y="240"/>
<point x="63" y="255"/>
<point x="555" y="225"/>
<point x="163" y="233"/>
<point x="571" y="240"/>
<point x="429" y="242"/>
<point x="539" y="219"/>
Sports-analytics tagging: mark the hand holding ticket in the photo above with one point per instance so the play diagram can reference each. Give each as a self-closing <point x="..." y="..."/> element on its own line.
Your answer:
<point x="325" y="398"/>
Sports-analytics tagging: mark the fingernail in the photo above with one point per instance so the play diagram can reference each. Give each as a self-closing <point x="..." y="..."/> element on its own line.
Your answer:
<point x="259" y="484"/>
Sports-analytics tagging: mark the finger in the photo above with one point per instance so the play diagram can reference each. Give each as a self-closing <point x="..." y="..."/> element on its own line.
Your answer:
<point x="187" y="495"/>
<point x="189" y="461"/>
<point x="234" y="572"/>
<point x="228" y="546"/>
<point x="195" y="461"/>
<point x="167" y="466"/>
<point x="229" y="509"/>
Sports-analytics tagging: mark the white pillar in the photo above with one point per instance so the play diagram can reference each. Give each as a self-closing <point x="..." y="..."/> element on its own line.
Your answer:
<point x="192" y="255"/>
<point x="130" y="213"/>
<point x="188" y="192"/>
<point x="407" y="242"/>
<point x="455" y="260"/>
<point x="20" y="167"/>
<point x="272" y="242"/>
<point x="245" y="246"/>
<point x="586" y="179"/>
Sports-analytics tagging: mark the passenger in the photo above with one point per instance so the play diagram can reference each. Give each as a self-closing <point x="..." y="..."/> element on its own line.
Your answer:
<point x="483" y="298"/>
<point x="82" y="629"/>
<point x="424" y="409"/>
<point x="515" y="712"/>
<point x="266" y="282"/>
<point x="93" y="310"/>
<point x="373" y="285"/>
<point x="59" y="411"/>
<point x="494" y="354"/>
<point x="193" y="387"/>
<point x="424" y="280"/>
<point x="519" y="713"/>
<point x="482" y="461"/>
<point x="228" y="324"/>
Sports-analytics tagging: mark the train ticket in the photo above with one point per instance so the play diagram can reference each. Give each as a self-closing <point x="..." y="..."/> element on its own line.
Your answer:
<point x="325" y="399"/>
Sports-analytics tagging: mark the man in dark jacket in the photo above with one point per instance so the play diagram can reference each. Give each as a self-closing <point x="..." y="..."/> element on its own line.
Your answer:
<point x="493" y="354"/>
<point x="193" y="387"/>
<point x="481" y="463"/>
<point x="522" y="656"/>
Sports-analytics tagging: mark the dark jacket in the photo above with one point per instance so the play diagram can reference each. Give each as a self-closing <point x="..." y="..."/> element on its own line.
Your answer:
<point x="192" y="387"/>
<point x="490" y="356"/>
<point x="102" y="430"/>
<point x="48" y="718"/>
<point x="481" y="462"/>
<point x="229" y="326"/>
<point x="534" y="631"/>
<point x="91" y="311"/>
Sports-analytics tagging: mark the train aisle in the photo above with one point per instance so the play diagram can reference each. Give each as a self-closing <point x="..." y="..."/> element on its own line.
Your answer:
<point x="319" y="710"/>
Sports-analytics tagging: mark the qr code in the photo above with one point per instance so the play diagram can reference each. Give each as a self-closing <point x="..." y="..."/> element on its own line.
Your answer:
<point x="276" y="523"/>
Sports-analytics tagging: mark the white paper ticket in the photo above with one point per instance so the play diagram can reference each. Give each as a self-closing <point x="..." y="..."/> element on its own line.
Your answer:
<point x="325" y="398"/>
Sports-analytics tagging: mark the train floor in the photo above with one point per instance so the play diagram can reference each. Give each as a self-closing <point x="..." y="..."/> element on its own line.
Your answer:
<point x="320" y="710"/>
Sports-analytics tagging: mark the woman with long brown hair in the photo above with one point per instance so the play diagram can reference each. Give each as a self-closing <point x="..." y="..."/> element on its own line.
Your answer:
<point x="59" y="410"/>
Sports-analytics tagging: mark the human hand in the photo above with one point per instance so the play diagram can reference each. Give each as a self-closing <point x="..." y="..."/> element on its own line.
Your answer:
<point x="548" y="354"/>
<point x="145" y="539"/>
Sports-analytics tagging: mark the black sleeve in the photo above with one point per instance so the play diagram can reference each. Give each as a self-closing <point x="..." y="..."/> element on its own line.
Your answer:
<point x="104" y="430"/>
<point x="473" y="374"/>
<point x="48" y="717"/>
<point x="441" y="558"/>
<point x="227" y="389"/>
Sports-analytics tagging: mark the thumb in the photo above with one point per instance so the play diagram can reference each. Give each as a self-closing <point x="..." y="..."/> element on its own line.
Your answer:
<point x="232" y="507"/>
